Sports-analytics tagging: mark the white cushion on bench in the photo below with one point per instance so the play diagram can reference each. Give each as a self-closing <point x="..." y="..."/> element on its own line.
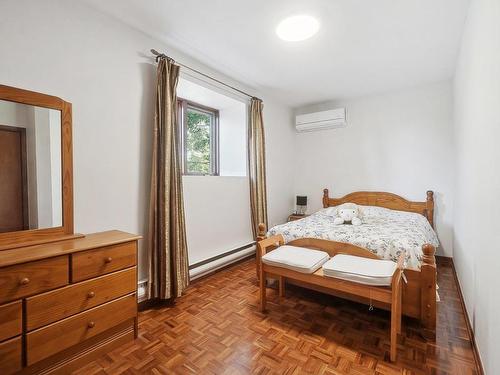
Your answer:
<point x="360" y="270"/>
<point x="296" y="258"/>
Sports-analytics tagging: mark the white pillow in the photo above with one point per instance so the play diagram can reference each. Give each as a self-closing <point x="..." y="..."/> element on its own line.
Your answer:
<point x="332" y="211"/>
<point x="360" y="270"/>
<point x="295" y="258"/>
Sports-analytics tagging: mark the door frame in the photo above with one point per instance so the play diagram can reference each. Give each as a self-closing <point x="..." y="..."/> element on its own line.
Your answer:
<point x="24" y="170"/>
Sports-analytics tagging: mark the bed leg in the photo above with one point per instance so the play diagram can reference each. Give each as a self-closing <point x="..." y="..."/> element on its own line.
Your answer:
<point x="281" y="286"/>
<point x="394" y="329"/>
<point x="257" y="264"/>
<point x="261" y="235"/>
<point x="400" y="309"/>
<point x="396" y="309"/>
<point x="262" y="291"/>
<point x="428" y="292"/>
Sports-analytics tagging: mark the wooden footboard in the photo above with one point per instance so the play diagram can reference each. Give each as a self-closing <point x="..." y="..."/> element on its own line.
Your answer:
<point x="419" y="293"/>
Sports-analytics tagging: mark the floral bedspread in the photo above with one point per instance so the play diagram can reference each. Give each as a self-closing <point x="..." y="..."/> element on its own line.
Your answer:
<point x="385" y="232"/>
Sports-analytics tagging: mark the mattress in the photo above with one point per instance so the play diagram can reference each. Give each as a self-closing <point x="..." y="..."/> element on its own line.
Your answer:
<point x="295" y="258"/>
<point x="387" y="233"/>
<point x="360" y="270"/>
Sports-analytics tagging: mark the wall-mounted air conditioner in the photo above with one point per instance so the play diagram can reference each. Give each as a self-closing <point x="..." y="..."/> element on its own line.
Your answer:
<point x="331" y="119"/>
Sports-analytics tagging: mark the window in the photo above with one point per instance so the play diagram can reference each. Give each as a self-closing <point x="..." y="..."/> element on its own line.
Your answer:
<point x="199" y="138"/>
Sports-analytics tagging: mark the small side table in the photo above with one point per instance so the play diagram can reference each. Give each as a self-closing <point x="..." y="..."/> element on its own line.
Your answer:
<point x="294" y="217"/>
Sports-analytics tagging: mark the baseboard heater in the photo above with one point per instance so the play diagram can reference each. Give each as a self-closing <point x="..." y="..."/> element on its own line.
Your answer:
<point x="206" y="266"/>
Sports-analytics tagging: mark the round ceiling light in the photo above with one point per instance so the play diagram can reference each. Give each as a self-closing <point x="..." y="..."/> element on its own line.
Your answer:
<point x="297" y="28"/>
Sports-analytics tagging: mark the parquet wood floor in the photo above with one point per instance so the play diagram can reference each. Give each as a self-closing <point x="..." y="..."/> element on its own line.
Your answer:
<point x="216" y="328"/>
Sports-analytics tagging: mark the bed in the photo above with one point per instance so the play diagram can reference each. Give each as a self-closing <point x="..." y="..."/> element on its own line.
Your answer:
<point x="391" y="226"/>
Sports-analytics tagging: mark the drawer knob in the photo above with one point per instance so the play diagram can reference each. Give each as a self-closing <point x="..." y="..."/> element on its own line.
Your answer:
<point x="90" y="294"/>
<point x="108" y="260"/>
<point x="91" y="324"/>
<point x="24" y="281"/>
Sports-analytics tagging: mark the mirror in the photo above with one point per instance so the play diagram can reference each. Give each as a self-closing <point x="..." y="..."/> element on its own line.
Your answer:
<point x="30" y="167"/>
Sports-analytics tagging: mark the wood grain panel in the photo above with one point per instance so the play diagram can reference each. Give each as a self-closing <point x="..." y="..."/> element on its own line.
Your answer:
<point x="333" y="248"/>
<point x="411" y="293"/>
<point x="14" y="94"/>
<point x="34" y="277"/>
<point x="47" y="341"/>
<point x="65" y="246"/>
<point x="67" y="167"/>
<point x="385" y="199"/>
<point x="382" y="294"/>
<point x="11" y="319"/>
<point x="294" y="217"/>
<point x="10" y="356"/>
<point x="97" y="262"/>
<point x="51" y="306"/>
<point x="71" y="359"/>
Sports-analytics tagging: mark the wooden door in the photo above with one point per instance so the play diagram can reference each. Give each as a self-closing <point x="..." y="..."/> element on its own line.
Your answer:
<point x="13" y="180"/>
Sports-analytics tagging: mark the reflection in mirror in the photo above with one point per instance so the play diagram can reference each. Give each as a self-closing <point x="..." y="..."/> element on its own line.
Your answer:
<point x="30" y="167"/>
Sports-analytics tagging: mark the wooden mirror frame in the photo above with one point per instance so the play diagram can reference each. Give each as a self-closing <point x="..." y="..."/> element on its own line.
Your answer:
<point x="9" y="240"/>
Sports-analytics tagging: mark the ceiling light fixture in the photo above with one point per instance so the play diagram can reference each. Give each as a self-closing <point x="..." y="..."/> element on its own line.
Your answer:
<point x="297" y="28"/>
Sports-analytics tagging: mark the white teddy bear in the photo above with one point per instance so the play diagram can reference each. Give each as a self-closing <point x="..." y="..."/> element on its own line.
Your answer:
<point x="347" y="212"/>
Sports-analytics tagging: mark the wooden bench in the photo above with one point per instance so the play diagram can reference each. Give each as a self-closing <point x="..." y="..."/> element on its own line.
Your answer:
<point x="391" y="295"/>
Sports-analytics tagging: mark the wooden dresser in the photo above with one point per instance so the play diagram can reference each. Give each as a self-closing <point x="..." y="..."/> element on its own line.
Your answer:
<point x="65" y="298"/>
<point x="64" y="303"/>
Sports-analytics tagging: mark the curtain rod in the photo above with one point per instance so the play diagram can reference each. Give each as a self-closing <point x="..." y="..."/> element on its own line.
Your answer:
<point x="159" y="55"/>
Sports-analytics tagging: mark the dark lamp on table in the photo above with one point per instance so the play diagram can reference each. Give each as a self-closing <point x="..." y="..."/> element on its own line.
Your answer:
<point x="301" y="205"/>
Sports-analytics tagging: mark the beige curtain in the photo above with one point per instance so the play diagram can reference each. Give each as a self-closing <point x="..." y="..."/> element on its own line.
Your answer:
<point x="168" y="264"/>
<point x="257" y="166"/>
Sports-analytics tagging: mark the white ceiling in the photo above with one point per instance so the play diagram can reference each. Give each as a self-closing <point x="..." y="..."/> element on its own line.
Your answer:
<point x="362" y="47"/>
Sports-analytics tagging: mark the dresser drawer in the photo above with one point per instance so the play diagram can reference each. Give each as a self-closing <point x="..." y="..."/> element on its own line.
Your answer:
<point x="49" y="307"/>
<point x="97" y="262"/>
<point x="11" y="320"/>
<point x="10" y="356"/>
<point x="46" y="341"/>
<point x="34" y="277"/>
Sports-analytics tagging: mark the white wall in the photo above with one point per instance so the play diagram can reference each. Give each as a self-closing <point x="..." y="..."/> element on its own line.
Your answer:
<point x="43" y="167"/>
<point x="399" y="142"/>
<point x="31" y="168"/>
<point x="218" y="207"/>
<point x="217" y="215"/>
<point x="280" y="161"/>
<point x="104" y="68"/>
<point x="56" y="166"/>
<point x="233" y="156"/>
<point x="47" y="130"/>
<point x="477" y="209"/>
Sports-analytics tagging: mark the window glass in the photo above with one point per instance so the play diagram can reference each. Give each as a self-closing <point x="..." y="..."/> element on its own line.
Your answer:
<point x="200" y="139"/>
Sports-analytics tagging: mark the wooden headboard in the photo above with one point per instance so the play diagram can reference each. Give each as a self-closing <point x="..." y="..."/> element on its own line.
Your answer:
<point x="387" y="200"/>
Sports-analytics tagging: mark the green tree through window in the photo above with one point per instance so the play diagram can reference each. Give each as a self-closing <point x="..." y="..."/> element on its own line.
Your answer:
<point x="199" y="144"/>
